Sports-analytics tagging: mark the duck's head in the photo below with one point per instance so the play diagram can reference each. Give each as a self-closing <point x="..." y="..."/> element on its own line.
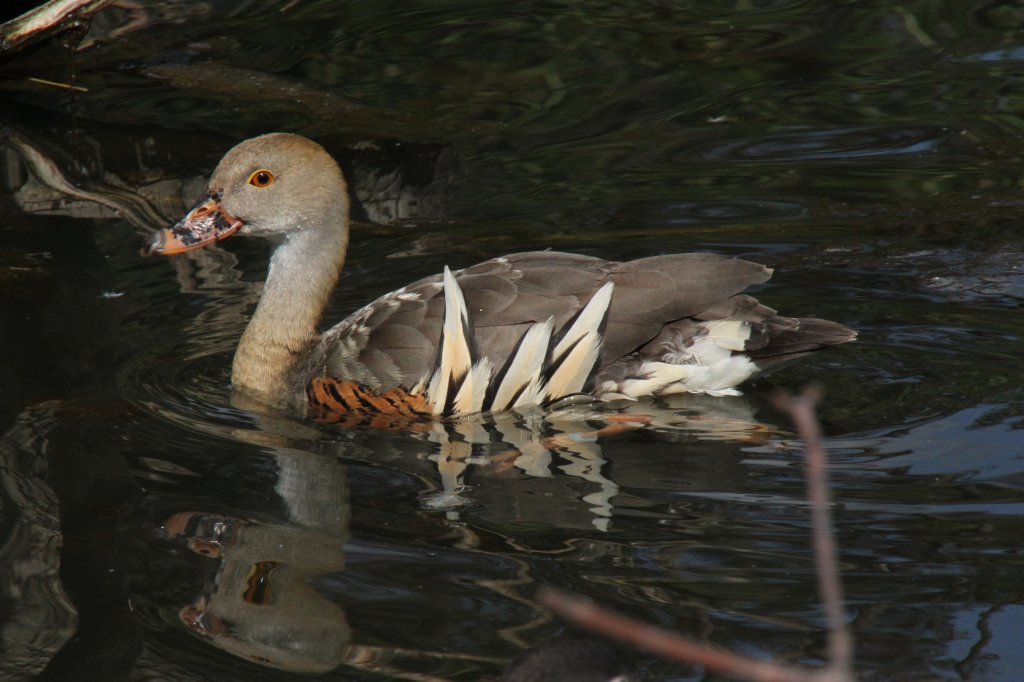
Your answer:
<point x="267" y="186"/>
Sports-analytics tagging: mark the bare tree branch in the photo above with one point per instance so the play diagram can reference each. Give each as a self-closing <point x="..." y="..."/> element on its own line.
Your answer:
<point x="48" y="17"/>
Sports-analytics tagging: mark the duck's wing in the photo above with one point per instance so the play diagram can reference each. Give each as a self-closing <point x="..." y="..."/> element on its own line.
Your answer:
<point x="394" y="340"/>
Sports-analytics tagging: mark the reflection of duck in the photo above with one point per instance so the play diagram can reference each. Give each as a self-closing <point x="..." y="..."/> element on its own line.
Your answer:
<point x="523" y="329"/>
<point x="260" y="606"/>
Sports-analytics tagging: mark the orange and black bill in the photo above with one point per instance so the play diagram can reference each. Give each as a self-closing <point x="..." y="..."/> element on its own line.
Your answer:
<point x="204" y="224"/>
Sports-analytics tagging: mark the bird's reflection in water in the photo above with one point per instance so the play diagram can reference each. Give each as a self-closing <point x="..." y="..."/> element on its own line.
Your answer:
<point x="568" y="439"/>
<point x="259" y="603"/>
<point x="264" y="599"/>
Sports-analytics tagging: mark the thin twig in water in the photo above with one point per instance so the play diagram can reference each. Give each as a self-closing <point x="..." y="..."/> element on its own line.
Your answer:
<point x="55" y="84"/>
<point x="839" y="668"/>
<point x="801" y="410"/>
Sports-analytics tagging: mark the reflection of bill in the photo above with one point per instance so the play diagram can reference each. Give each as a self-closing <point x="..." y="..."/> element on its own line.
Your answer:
<point x="259" y="605"/>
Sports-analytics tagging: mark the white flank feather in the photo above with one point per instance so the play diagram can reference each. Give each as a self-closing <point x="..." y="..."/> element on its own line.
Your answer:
<point x="524" y="370"/>
<point x="713" y="369"/>
<point x="708" y="365"/>
<point x="654" y="378"/>
<point x="578" y="350"/>
<point x="730" y="334"/>
<point x="456" y="360"/>
<point x="470" y="397"/>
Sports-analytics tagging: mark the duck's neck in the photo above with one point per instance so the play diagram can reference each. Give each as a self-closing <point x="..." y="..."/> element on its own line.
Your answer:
<point x="304" y="269"/>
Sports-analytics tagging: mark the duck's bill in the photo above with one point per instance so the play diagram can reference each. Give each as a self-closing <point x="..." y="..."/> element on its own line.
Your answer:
<point x="206" y="223"/>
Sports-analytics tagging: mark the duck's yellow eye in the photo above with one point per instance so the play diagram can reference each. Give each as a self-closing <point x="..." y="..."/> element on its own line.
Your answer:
<point x="261" y="178"/>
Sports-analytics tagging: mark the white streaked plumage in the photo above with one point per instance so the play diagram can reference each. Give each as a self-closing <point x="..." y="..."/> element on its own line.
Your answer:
<point x="522" y="384"/>
<point x="568" y="366"/>
<point x="456" y="358"/>
<point x="473" y="390"/>
<point x="576" y="353"/>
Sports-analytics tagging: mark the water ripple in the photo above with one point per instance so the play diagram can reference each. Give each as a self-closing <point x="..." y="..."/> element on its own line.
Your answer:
<point x="804" y="144"/>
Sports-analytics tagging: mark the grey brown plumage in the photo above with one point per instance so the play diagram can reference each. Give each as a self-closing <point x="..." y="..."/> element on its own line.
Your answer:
<point x="515" y="330"/>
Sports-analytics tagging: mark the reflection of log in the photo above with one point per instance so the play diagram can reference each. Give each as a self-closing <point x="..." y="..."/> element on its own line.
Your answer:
<point x="48" y="18"/>
<point x="39" y="617"/>
<point x="147" y="184"/>
<point x="57" y="187"/>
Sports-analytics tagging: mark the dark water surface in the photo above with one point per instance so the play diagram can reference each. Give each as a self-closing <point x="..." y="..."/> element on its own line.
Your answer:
<point x="871" y="152"/>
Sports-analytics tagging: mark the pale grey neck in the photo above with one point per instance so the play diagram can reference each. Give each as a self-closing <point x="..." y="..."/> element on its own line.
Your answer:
<point x="304" y="269"/>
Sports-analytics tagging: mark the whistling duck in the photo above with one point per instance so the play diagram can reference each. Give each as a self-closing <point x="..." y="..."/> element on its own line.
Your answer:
<point x="524" y="329"/>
